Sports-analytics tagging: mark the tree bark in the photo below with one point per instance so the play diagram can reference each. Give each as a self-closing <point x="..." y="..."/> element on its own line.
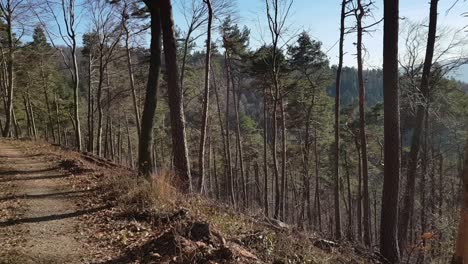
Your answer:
<point x="10" y="69"/>
<point x="265" y="153"/>
<point x="176" y="107"/>
<point x="76" y="90"/>
<point x="392" y="149"/>
<point x="283" y="159"/>
<point x="131" y="76"/>
<point x="206" y="101"/>
<point x="236" y="100"/>
<point x="57" y="116"/>
<point x="230" y="179"/>
<point x="145" y="164"/>
<point x="362" y="128"/>
<point x="90" y="147"/>
<point x="336" y="189"/>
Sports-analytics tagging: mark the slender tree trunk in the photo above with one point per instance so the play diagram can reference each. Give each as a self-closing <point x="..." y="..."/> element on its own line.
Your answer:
<point x="10" y="70"/>
<point x="274" y="154"/>
<point x="228" y="141"/>
<point x="215" y="175"/>
<point x="90" y="106"/>
<point x="176" y="107"/>
<point x="350" y="206"/>
<point x="317" y="183"/>
<point x="129" y="144"/>
<point x="223" y="137"/>
<point x="57" y="116"/>
<point x="28" y="116"/>
<point x="283" y="159"/>
<point x="206" y="101"/>
<point x="408" y="199"/>
<point x="359" y="191"/>
<point x="236" y="101"/>
<point x="145" y="145"/>
<point x="362" y="128"/>
<point x="76" y="96"/>
<point x="15" y="122"/>
<point x="99" y="103"/>
<point x="131" y="77"/>
<point x="184" y="56"/>
<point x="258" y="191"/>
<point x="265" y="152"/>
<point x="337" y="124"/>
<point x="33" y="120"/>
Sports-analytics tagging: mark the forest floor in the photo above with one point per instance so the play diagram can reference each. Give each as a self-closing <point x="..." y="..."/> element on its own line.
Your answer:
<point x="60" y="206"/>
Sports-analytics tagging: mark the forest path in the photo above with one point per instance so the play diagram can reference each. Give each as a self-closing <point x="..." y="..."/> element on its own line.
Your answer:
<point x="38" y="210"/>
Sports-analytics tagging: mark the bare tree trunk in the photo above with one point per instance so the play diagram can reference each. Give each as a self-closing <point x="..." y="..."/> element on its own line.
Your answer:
<point x="129" y="144"/>
<point x="408" y="199"/>
<point x="10" y="68"/>
<point x="362" y="128"/>
<point x="223" y="137"/>
<point x="337" y="124"/>
<point x="215" y="175"/>
<point x="228" y="141"/>
<point x="90" y="106"/>
<point x="317" y="183"/>
<point x="17" y="127"/>
<point x="236" y="101"/>
<point x="99" y="103"/>
<point x="57" y="116"/>
<point x="131" y="76"/>
<point x="176" y="107"/>
<point x="206" y="101"/>
<point x="76" y="96"/>
<point x="258" y="191"/>
<point x="265" y="153"/>
<point x="145" y="145"/>
<point x="28" y="116"/>
<point x="274" y="154"/>
<point x="33" y="120"/>
<point x="350" y="206"/>
<point x="392" y="139"/>
<point x="359" y="193"/>
<point x="283" y="159"/>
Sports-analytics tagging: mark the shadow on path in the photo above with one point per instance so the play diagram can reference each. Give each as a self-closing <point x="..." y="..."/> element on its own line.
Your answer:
<point x="46" y="195"/>
<point x="52" y="217"/>
<point x="32" y="178"/>
<point x="25" y="172"/>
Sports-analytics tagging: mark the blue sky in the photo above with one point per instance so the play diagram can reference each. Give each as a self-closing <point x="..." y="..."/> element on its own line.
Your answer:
<point x="321" y="19"/>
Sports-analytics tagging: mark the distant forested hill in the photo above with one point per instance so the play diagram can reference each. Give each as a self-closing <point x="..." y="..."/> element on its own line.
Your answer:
<point x="350" y="87"/>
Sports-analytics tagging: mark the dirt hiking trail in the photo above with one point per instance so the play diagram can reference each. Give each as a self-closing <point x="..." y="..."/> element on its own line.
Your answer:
<point x="38" y="210"/>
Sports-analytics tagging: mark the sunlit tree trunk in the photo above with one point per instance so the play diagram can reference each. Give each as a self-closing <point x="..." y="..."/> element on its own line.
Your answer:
<point x="176" y="107"/>
<point x="131" y="76"/>
<point x="7" y="11"/>
<point x="145" y="166"/>
<point x="206" y="101"/>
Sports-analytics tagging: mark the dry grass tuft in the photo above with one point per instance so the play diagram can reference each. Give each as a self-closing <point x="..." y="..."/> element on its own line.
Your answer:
<point x="136" y="193"/>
